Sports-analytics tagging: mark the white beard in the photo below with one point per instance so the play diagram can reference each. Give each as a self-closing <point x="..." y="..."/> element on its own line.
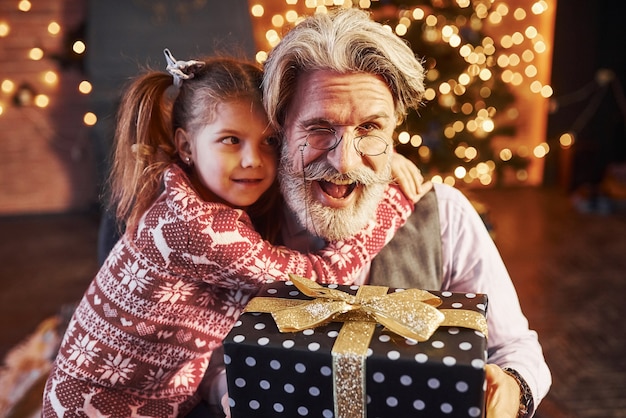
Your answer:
<point x="331" y="223"/>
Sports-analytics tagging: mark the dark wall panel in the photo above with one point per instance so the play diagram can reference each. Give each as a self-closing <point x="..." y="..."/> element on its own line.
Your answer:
<point x="125" y="35"/>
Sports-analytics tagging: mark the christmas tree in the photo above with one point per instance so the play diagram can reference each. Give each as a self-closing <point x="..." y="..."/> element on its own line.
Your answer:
<point x="466" y="96"/>
<point x="485" y="107"/>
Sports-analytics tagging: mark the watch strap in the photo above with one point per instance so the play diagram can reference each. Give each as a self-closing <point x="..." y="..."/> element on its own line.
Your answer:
<point x="526" y="401"/>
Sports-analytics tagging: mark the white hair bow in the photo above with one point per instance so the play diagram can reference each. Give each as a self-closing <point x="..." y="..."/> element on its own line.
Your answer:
<point x="181" y="70"/>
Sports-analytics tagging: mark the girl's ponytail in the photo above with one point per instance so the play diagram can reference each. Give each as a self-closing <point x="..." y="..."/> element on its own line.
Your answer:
<point x="143" y="147"/>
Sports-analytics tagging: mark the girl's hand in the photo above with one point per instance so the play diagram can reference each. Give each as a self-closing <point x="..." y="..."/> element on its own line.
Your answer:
<point x="409" y="178"/>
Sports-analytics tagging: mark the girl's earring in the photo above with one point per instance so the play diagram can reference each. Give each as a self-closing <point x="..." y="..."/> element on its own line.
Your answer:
<point x="188" y="160"/>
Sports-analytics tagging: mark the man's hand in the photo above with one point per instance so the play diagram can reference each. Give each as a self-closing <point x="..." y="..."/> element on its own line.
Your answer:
<point x="409" y="178"/>
<point x="503" y="393"/>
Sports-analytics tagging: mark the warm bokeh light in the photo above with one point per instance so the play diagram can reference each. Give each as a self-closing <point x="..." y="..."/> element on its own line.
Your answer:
<point x="566" y="140"/>
<point x="35" y="54"/>
<point x="541" y="150"/>
<point x="539" y="7"/>
<point x="401" y="30"/>
<point x="54" y="28"/>
<point x="430" y="94"/>
<point x="416" y="140"/>
<point x="519" y="14"/>
<point x="291" y="16"/>
<point x="4" y="29"/>
<point x="536" y="86"/>
<point x="24" y="5"/>
<point x="278" y="21"/>
<point x="7" y="86"/>
<point x="50" y="77"/>
<point x="540" y="47"/>
<point x="470" y="153"/>
<point x="85" y="87"/>
<point x="531" y="32"/>
<point x="260" y="57"/>
<point x="272" y="37"/>
<point x="505" y="154"/>
<point x="41" y="100"/>
<point x="404" y="137"/>
<point x="257" y="10"/>
<point x="79" y="47"/>
<point x="90" y="119"/>
<point x="546" y="91"/>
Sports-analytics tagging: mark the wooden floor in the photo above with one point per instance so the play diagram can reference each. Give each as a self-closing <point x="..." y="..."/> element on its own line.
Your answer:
<point x="569" y="268"/>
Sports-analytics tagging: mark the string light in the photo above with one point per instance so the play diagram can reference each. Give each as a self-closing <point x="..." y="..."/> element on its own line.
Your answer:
<point x="257" y="10"/>
<point x="24" y="5"/>
<point x="85" y="87"/>
<point x="4" y="29"/>
<point x="79" y="47"/>
<point x="90" y="118"/>
<point x="7" y="86"/>
<point x="566" y="140"/>
<point x="50" y="77"/>
<point x="41" y="100"/>
<point x="510" y="57"/>
<point x="54" y="28"/>
<point x="35" y="54"/>
<point x="37" y="92"/>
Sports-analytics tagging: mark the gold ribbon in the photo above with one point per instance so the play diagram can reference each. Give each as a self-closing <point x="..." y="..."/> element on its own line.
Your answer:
<point x="411" y="313"/>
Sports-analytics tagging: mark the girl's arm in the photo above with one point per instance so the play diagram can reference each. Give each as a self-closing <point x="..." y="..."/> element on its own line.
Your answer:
<point x="233" y="254"/>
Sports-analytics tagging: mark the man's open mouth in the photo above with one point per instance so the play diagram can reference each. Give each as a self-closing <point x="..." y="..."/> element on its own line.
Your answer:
<point x="251" y="181"/>
<point x="335" y="190"/>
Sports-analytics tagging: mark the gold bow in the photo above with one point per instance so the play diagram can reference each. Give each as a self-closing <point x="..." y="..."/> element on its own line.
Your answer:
<point x="411" y="313"/>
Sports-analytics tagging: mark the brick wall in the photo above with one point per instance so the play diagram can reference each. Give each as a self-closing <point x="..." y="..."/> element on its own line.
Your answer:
<point x="49" y="160"/>
<point x="46" y="163"/>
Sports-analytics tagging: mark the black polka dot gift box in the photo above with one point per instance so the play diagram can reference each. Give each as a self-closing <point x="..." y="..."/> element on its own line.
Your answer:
<point x="306" y="350"/>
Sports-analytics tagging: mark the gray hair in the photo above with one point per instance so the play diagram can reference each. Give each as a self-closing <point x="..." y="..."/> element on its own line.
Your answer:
<point x="345" y="41"/>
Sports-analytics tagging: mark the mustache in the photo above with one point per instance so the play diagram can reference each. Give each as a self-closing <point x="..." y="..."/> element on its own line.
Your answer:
<point x="322" y="171"/>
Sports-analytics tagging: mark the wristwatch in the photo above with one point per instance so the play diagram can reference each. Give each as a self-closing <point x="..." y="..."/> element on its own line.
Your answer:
<point x="526" y="402"/>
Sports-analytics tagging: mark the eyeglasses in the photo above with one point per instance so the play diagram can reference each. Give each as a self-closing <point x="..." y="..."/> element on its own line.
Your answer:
<point x="326" y="139"/>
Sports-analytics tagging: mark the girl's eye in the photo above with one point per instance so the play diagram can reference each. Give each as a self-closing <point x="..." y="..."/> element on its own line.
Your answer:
<point x="230" y="140"/>
<point x="272" y="141"/>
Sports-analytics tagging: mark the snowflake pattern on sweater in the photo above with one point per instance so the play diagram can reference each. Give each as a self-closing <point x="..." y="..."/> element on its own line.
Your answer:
<point x="141" y="338"/>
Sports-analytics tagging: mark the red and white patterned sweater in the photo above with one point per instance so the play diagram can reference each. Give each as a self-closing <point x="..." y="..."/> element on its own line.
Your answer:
<point x="141" y="339"/>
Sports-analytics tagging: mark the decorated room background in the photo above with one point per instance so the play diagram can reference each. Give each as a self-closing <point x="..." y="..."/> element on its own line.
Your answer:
<point x="493" y="116"/>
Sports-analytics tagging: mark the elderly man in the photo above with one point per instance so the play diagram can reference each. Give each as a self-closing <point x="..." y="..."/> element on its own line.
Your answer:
<point x="336" y="87"/>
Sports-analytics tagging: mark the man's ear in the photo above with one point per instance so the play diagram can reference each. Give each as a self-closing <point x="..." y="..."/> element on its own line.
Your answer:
<point x="183" y="145"/>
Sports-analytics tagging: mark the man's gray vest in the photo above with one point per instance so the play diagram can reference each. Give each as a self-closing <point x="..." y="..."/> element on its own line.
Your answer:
<point x="413" y="257"/>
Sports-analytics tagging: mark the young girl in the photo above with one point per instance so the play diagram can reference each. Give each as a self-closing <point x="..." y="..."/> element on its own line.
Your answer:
<point x="187" y="180"/>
